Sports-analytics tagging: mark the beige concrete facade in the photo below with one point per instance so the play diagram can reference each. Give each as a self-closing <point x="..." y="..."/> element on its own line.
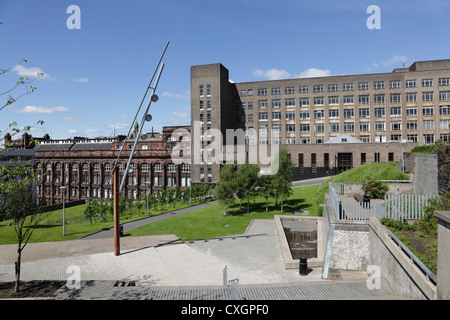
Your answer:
<point x="407" y="104"/>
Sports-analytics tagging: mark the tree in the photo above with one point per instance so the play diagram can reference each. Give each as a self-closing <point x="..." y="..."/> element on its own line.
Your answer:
<point x="17" y="198"/>
<point x="226" y="187"/>
<point x="282" y="180"/>
<point x="140" y="203"/>
<point x="265" y="188"/>
<point x="247" y="177"/>
<point x="90" y="211"/>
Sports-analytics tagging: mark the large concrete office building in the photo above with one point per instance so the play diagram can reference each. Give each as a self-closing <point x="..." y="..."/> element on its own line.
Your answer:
<point x="328" y="124"/>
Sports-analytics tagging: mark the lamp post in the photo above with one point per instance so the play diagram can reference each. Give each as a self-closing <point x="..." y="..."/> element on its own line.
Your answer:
<point x="147" y="183"/>
<point x="63" y="190"/>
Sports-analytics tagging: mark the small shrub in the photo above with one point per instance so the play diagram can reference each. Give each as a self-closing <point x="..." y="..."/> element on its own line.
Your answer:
<point x="375" y="188"/>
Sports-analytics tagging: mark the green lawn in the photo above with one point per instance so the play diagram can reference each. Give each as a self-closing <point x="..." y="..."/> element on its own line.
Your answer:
<point x="210" y="222"/>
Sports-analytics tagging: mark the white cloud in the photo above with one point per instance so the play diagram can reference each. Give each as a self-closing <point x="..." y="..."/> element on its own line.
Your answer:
<point x="32" y="72"/>
<point x="91" y="131"/>
<point x="313" y="72"/>
<point x="176" y="95"/>
<point x="82" y="80"/>
<point x="71" y="119"/>
<point x="119" y="126"/>
<point x="395" y="60"/>
<point x="72" y="131"/>
<point x="180" y="115"/>
<point x="272" y="74"/>
<point x="37" y="109"/>
<point x="277" y="74"/>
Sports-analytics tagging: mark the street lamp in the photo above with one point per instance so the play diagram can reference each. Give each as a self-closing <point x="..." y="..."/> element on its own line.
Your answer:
<point x="148" y="184"/>
<point x="63" y="190"/>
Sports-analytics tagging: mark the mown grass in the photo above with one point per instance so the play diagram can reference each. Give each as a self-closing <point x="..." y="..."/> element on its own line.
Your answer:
<point x="210" y="222"/>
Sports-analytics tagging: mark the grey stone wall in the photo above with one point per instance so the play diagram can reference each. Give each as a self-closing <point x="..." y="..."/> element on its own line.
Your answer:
<point x="425" y="174"/>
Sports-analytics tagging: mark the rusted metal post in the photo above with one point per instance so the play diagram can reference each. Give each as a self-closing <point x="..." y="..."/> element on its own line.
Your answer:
<point x="116" y="195"/>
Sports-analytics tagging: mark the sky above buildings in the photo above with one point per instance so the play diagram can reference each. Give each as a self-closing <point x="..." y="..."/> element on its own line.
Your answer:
<point x="95" y="77"/>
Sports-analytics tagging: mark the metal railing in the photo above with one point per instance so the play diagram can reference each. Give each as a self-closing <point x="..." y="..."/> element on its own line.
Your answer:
<point x="430" y="275"/>
<point x="405" y="206"/>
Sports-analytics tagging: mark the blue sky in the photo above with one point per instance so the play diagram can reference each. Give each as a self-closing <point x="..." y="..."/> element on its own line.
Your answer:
<point x="96" y="76"/>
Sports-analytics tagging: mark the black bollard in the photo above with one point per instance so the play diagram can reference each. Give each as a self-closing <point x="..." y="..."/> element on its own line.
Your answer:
<point x="303" y="266"/>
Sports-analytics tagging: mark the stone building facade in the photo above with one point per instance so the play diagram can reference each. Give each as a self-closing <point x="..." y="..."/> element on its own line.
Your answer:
<point x="84" y="166"/>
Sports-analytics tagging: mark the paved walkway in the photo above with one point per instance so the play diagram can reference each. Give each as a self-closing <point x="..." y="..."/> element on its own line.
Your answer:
<point x="163" y="267"/>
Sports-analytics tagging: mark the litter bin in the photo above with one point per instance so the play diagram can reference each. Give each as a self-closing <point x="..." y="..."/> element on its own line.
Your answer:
<point x="366" y="201"/>
<point x="121" y="231"/>
<point x="303" y="266"/>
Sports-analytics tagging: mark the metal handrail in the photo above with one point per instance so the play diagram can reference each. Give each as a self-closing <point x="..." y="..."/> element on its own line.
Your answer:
<point x="430" y="275"/>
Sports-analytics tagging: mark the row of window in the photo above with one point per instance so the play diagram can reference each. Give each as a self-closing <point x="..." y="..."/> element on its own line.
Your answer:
<point x="362" y="100"/>
<point x="427" y="139"/>
<point x="362" y="86"/>
<point x="348" y="113"/>
<point x="350" y="126"/>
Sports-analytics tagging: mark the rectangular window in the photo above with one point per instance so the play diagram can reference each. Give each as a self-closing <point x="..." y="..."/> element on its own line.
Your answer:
<point x="378" y="98"/>
<point x="378" y="85"/>
<point x="412" y="137"/>
<point x="334" y="127"/>
<point x="395" y="84"/>
<point x="262" y="92"/>
<point x="333" y="100"/>
<point x="250" y="118"/>
<point x="289" y="102"/>
<point x="443" y="124"/>
<point x="396" y="111"/>
<point x="380" y="126"/>
<point x="333" y="113"/>
<point x="411" y="125"/>
<point x="444" y="96"/>
<point x="304" y="102"/>
<point x="443" y="82"/>
<point x="290" y="140"/>
<point x="377" y="157"/>
<point x="428" y="111"/>
<point x="347" y="87"/>
<point x="428" y="124"/>
<point x="262" y="129"/>
<point x="395" y="98"/>
<point x="208" y="90"/>
<point x="319" y="127"/>
<point x="364" y="126"/>
<point x="276" y="103"/>
<point x="379" y="112"/>
<point x="303" y="89"/>
<point x="445" y="137"/>
<point x="349" y="113"/>
<point x="427" y="82"/>
<point x="262" y="104"/>
<point x="250" y="105"/>
<point x="318" y="88"/>
<point x="276" y="91"/>
<point x="348" y="99"/>
<point x="326" y="162"/>
<point x="333" y="88"/>
<point x="349" y="126"/>
<point x="363" y="86"/>
<point x="289" y="90"/>
<point x="410" y="83"/>
<point x="391" y="157"/>
<point x="363" y="158"/>
<point x="318" y="101"/>
<point x="243" y="93"/>
<point x="396" y="125"/>
<point x="444" y="110"/>
<point x="250" y="92"/>
<point x="318" y="114"/>
<point x="411" y="97"/>
<point x="290" y="115"/>
<point x="276" y="115"/>
<point x="301" y="164"/>
<point x="364" y="112"/>
<point x="304" y="115"/>
<point x="304" y="128"/>
<point x="313" y="163"/>
<point x="427" y="96"/>
<point x="276" y="129"/>
<point x="262" y="116"/>
<point x="290" y="128"/>
<point x="428" y="138"/>
<point x="411" y="111"/>
<point x="363" y="99"/>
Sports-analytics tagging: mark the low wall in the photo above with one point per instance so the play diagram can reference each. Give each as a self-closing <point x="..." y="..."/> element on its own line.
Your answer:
<point x="443" y="267"/>
<point x="352" y="188"/>
<point x="404" y="278"/>
<point x="322" y="234"/>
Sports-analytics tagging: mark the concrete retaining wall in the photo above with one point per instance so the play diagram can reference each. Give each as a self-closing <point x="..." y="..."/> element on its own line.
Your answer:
<point x="352" y="188"/>
<point x="404" y="278"/>
<point x="425" y="174"/>
<point x="443" y="267"/>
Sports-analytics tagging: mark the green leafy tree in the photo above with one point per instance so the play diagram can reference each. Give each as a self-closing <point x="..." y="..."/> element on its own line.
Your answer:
<point x="140" y="202"/>
<point x="17" y="199"/>
<point x="282" y="179"/>
<point x="265" y="188"/>
<point x="226" y="187"/>
<point x="90" y="211"/>
<point x="247" y="177"/>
